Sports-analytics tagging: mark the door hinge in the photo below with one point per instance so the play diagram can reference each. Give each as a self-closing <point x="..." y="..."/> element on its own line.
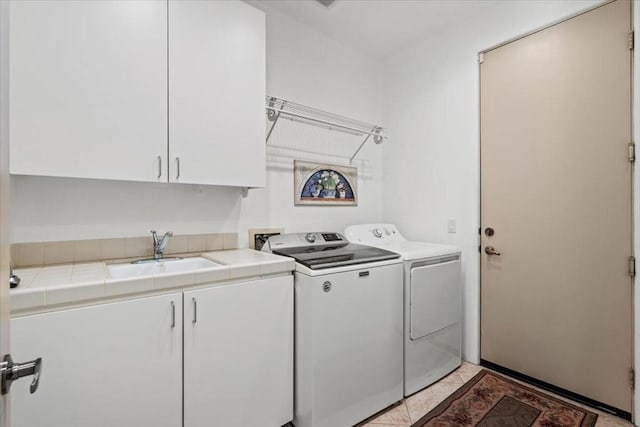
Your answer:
<point x="630" y="40"/>
<point x="632" y="378"/>
<point x="632" y="152"/>
<point x="632" y="266"/>
<point x="480" y="58"/>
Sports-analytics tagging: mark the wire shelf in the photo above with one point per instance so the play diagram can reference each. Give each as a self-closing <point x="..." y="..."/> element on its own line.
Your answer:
<point x="277" y="108"/>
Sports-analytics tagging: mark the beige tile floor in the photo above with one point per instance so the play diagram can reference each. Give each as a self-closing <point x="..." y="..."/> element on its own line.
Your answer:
<point x="414" y="407"/>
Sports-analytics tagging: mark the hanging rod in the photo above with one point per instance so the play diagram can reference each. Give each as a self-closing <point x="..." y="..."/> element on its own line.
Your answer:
<point x="277" y="108"/>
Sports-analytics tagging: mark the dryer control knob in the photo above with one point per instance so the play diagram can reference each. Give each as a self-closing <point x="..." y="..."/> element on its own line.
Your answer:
<point x="377" y="232"/>
<point x="310" y="237"/>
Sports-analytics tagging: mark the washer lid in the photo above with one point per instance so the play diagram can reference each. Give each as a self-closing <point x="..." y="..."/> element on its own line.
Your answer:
<point x="318" y="257"/>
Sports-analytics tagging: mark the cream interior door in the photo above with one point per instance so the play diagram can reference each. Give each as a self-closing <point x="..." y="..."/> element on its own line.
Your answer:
<point x="556" y="191"/>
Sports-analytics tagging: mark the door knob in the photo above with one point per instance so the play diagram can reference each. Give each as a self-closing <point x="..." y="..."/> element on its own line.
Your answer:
<point x="490" y="250"/>
<point x="10" y="371"/>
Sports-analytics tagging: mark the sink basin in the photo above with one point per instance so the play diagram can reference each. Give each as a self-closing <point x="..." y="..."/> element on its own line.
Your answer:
<point x="154" y="268"/>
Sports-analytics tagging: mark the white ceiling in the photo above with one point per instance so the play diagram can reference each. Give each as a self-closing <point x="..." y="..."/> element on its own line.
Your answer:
<point x="380" y="27"/>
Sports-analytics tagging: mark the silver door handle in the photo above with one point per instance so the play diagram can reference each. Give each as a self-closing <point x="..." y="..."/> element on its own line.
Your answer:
<point x="10" y="371"/>
<point x="159" y="166"/>
<point x="490" y="250"/>
<point x="195" y="310"/>
<point x="177" y="167"/>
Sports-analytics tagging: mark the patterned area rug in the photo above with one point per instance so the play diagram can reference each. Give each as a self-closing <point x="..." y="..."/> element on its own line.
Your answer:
<point x="491" y="400"/>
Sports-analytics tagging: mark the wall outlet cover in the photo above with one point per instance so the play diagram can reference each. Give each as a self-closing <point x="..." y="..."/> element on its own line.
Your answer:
<point x="259" y="236"/>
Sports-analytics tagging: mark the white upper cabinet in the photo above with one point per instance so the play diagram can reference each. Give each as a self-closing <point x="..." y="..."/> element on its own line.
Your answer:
<point x="138" y="90"/>
<point x="216" y="93"/>
<point x="88" y="88"/>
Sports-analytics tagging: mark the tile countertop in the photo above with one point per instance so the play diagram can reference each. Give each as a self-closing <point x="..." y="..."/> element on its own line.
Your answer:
<point x="51" y="287"/>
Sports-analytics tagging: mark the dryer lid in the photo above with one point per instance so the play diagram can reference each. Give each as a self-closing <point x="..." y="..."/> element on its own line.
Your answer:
<point x="387" y="236"/>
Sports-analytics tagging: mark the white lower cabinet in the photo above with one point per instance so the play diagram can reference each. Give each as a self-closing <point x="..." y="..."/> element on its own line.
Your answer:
<point x="133" y="364"/>
<point x="238" y="354"/>
<point x="115" y="364"/>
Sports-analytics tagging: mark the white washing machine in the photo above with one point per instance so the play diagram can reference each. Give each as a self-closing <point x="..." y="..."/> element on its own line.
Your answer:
<point x="432" y="302"/>
<point x="348" y="328"/>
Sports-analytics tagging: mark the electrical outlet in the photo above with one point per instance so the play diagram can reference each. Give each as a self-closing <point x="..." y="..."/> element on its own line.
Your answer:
<point x="451" y="226"/>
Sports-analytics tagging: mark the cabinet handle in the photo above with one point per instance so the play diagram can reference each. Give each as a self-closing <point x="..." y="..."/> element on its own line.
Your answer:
<point x="173" y="314"/>
<point x="159" y="166"/>
<point x="177" y="167"/>
<point x="195" y="310"/>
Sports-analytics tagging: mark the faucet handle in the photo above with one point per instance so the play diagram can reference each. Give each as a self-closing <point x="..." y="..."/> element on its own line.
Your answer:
<point x="154" y="235"/>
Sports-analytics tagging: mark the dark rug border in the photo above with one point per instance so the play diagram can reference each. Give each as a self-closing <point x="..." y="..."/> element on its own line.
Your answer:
<point x="589" y="419"/>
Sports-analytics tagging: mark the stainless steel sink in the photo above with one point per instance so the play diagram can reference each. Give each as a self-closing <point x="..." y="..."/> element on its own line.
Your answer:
<point x="156" y="267"/>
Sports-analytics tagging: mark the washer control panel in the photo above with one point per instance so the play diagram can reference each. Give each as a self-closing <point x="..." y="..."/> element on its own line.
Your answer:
<point x="297" y="240"/>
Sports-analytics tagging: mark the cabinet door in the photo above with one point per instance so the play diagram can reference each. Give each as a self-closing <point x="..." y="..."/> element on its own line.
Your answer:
<point x="238" y="354"/>
<point x="89" y="88"/>
<point x="117" y="364"/>
<point x="216" y="93"/>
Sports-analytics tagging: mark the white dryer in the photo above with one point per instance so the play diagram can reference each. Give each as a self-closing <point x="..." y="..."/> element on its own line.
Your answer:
<point x="432" y="302"/>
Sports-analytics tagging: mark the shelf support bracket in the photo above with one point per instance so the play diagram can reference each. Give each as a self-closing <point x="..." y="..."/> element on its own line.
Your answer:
<point x="359" y="148"/>
<point x="273" y="116"/>
<point x="276" y="116"/>
<point x="377" y="139"/>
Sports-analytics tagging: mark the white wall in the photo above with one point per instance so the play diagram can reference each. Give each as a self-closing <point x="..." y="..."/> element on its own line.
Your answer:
<point x="307" y="67"/>
<point x="302" y="66"/>
<point x="431" y="166"/>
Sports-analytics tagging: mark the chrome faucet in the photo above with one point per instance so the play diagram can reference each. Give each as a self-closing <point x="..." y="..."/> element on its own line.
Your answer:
<point x="160" y="244"/>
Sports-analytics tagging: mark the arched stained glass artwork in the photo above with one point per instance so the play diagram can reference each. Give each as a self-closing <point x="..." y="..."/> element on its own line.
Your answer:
<point x="324" y="184"/>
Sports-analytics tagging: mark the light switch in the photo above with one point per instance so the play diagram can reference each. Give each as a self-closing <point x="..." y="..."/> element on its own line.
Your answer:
<point x="451" y="226"/>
